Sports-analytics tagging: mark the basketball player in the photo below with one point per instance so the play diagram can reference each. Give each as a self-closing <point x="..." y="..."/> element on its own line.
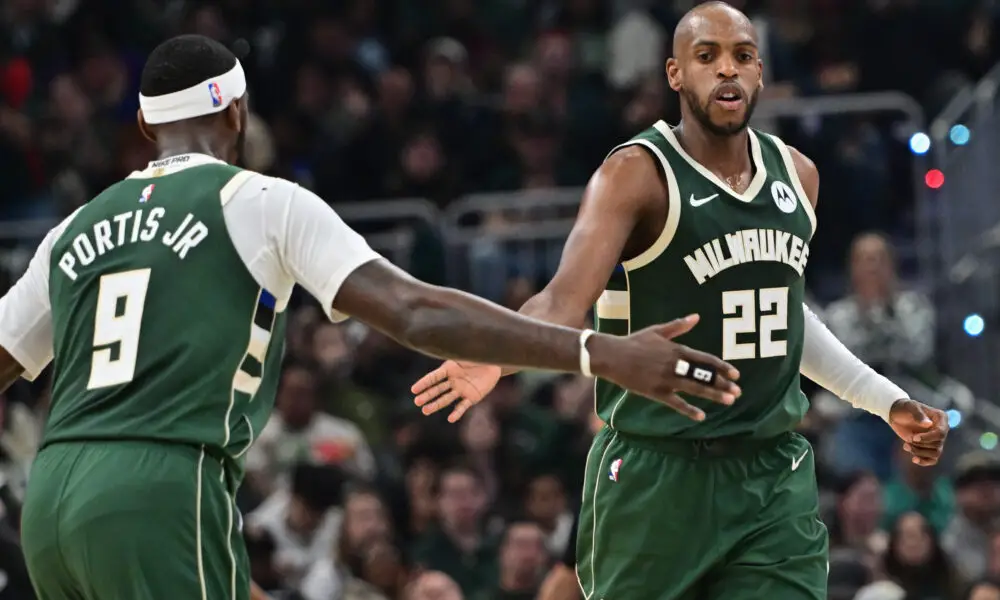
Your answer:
<point x="162" y="303"/>
<point x="709" y="217"/>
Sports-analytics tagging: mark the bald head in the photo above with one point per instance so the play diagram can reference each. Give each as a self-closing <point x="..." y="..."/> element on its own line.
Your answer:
<point x="716" y="68"/>
<point x="708" y="20"/>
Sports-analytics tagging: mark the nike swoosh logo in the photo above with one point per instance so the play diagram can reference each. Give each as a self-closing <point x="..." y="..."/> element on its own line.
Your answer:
<point x="698" y="202"/>
<point x="798" y="461"/>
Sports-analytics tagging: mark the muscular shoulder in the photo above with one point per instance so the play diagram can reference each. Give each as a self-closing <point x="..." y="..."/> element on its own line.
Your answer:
<point x="808" y="174"/>
<point x="633" y="174"/>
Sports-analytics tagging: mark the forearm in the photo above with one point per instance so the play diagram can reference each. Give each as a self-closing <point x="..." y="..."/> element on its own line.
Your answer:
<point x="542" y="307"/>
<point x="830" y="364"/>
<point x="448" y="323"/>
<point x="453" y="324"/>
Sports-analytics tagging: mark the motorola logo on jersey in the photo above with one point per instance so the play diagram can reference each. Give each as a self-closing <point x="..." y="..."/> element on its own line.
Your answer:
<point x="784" y="197"/>
<point x="747" y="246"/>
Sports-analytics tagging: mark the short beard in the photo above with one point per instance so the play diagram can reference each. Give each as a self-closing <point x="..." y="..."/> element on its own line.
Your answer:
<point x="700" y="113"/>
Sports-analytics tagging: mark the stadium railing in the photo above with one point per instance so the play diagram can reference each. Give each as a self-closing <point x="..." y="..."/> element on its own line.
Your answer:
<point x="965" y="142"/>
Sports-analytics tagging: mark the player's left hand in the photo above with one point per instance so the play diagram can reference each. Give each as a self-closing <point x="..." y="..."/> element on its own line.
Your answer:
<point x="923" y="430"/>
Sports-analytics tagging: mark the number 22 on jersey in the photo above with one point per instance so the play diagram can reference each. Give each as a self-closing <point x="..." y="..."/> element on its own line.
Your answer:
<point x="763" y="312"/>
<point x="121" y="298"/>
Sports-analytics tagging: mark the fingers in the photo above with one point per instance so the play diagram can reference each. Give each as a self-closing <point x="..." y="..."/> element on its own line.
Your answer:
<point x="459" y="410"/>
<point x="436" y="376"/>
<point x="722" y="392"/>
<point x="677" y="403"/>
<point x="677" y="326"/>
<point x="922" y="456"/>
<point x="443" y="402"/>
<point x="935" y="436"/>
<point x="721" y="367"/>
<point x="432" y="393"/>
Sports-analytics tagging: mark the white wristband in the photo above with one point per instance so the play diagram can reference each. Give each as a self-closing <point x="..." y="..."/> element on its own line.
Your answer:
<point x="584" y="353"/>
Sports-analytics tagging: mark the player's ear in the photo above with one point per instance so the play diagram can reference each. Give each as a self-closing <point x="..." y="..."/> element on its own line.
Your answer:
<point x="233" y="119"/>
<point x="673" y="71"/>
<point x="144" y="128"/>
<point x="760" y="74"/>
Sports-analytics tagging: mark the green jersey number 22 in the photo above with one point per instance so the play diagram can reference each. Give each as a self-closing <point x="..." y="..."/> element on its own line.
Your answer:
<point x="762" y="311"/>
<point x="121" y="298"/>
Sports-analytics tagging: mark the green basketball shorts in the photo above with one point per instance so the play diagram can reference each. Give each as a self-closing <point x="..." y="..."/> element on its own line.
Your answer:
<point x="124" y="520"/>
<point x="667" y="519"/>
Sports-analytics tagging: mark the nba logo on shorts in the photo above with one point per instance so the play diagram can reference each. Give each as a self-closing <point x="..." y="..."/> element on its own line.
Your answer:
<point x="616" y="465"/>
<point x="216" y="93"/>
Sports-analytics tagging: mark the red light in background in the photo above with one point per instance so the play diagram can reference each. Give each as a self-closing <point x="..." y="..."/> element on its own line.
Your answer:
<point x="934" y="179"/>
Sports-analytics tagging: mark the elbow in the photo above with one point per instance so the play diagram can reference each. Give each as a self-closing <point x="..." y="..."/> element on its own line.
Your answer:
<point x="420" y="316"/>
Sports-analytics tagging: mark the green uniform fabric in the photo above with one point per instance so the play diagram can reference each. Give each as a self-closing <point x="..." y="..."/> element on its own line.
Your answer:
<point x="124" y="520"/>
<point x="737" y="260"/>
<point x="135" y="359"/>
<point x="167" y="356"/>
<point x="671" y="519"/>
<point x="675" y="509"/>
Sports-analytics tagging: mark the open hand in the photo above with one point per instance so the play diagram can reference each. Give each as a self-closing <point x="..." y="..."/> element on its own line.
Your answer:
<point x="923" y="430"/>
<point x="453" y="380"/>
<point x="646" y="363"/>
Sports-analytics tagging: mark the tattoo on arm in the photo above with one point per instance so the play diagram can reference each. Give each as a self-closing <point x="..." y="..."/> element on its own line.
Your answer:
<point x="448" y="323"/>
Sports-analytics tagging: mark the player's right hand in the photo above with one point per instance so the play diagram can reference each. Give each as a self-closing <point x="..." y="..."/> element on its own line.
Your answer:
<point x="646" y="361"/>
<point x="452" y="381"/>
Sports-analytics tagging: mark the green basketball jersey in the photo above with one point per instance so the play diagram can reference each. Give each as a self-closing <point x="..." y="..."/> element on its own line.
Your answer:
<point x="160" y="331"/>
<point x="735" y="259"/>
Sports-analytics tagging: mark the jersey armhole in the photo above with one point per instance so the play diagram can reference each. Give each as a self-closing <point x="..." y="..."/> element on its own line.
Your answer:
<point x="793" y="176"/>
<point x="659" y="246"/>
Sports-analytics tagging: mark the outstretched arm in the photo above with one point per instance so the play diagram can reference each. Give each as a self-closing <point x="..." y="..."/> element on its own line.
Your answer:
<point x="340" y="270"/>
<point x="832" y="365"/>
<point x="448" y="323"/>
<point x="618" y="197"/>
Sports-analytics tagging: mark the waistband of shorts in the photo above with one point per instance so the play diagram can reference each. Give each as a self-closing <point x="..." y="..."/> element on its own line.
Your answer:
<point x="165" y="445"/>
<point x="723" y="447"/>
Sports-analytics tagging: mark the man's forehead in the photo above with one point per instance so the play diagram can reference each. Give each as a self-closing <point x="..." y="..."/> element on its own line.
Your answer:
<point x="716" y="27"/>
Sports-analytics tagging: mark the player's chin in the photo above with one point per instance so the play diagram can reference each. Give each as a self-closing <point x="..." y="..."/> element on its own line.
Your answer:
<point x="730" y="125"/>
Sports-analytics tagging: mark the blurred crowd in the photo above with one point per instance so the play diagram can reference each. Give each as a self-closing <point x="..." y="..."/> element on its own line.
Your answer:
<point x="350" y="493"/>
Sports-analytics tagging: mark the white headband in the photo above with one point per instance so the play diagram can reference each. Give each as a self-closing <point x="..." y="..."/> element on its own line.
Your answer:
<point x="208" y="97"/>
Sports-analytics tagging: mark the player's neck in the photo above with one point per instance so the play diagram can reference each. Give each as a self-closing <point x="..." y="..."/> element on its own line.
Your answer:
<point x="727" y="153"/>
<point x="175" y="143"/>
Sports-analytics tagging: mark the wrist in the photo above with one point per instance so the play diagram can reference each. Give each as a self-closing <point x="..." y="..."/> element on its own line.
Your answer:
<point x="601" y="348"/>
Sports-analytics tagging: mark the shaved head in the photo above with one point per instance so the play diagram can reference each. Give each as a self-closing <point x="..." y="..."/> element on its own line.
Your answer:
<point x="710" y="16"/>
<point x="716" y="68"/>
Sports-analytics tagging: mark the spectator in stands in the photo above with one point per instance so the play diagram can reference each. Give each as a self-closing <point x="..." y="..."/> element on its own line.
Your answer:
<point x="479" y="434"/>
<point x="916" y="561"/>
<point x="461" y="545"/>
<point x="917" y="489"/>
<point x="434" y="585"/>
<point x="523" y="559"/>
<point x="890" y="329"/>
<point x="859" y="511"/>
<point x="364" y="519"/>
<point x="546" y="504"/>
<point x="261" y="552"/>
<point x="304" y="521"/>
<point x="299" y="432"/>
<point x="985" y="589"/>
<point x="333" y="350"/>
<point x="381" y="566"/>
<point x="967" y="539"/>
